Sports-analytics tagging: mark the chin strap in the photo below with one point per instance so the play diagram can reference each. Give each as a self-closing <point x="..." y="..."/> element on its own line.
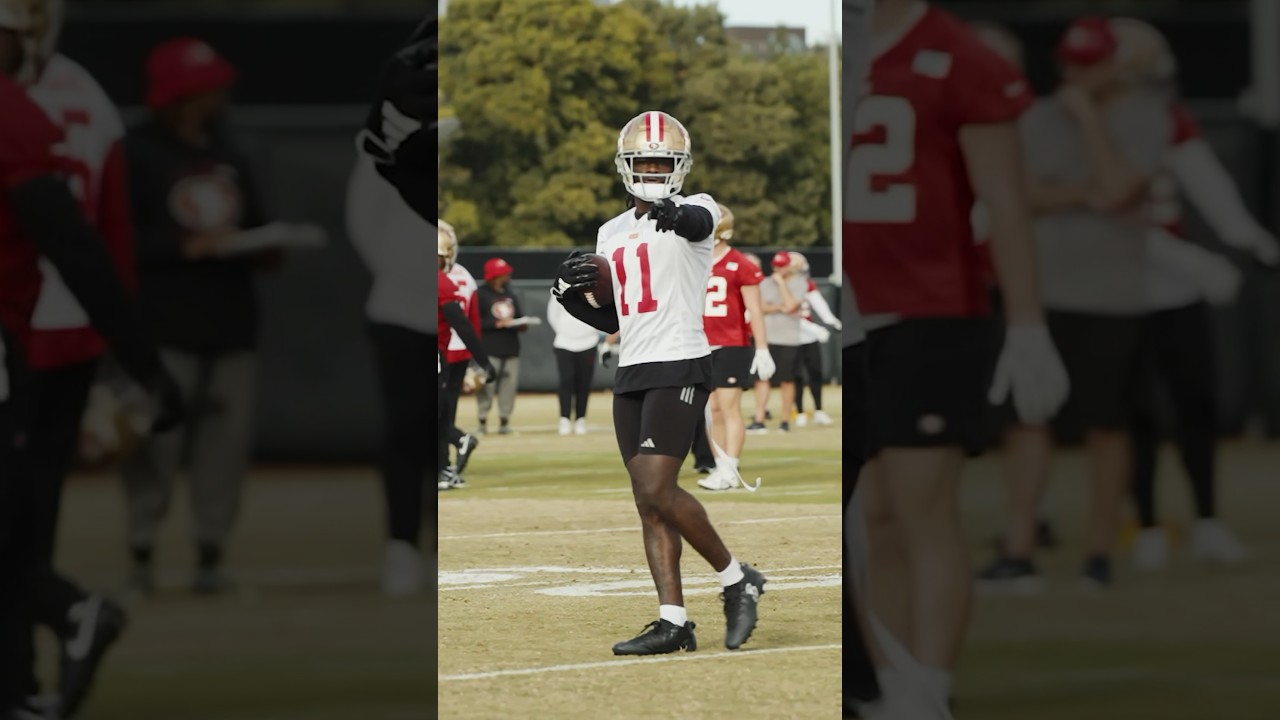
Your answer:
<point x="721" y="454"/>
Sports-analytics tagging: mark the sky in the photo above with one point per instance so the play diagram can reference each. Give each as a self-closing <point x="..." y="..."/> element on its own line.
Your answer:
<point x="813" y="15"/>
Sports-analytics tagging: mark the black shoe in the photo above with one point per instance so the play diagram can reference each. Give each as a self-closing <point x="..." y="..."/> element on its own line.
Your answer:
<point x="784" y="427"/>
<point x="504" y="428"/>
<point x="660" y="637"/>
<point x="466" y="446"/>
<point x="741" y="600"/>
<point x="1045" y="536"/>
<point x="1007" y="574"/>
<point x="96" y="623"/>
<point x="757" y="428"/>
<point x="1096" y="574"/>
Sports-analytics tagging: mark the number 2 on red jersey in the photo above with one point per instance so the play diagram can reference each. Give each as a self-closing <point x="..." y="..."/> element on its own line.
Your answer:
<point x="892" y="121"/>
<point x="647" y="302"/>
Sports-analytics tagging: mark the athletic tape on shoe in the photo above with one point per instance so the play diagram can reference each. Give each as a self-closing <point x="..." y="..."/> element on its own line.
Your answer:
<point x="720" y="453"/>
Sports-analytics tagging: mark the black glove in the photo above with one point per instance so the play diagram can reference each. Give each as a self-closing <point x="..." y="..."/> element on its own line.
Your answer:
<point x="606" y="353"/>
<point x="400" y="128"/>
<point x="167" y="408"/>
<point x="665" y="214"/>
<point x="490" y="372"/>
<point x="575" y="273"/>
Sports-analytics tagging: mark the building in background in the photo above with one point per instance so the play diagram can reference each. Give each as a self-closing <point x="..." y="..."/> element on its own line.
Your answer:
<point x="766" y="41"/>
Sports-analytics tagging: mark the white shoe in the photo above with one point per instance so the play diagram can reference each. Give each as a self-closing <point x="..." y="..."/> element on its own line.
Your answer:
<point x="402" y="570"/>
<point x="565" y="427"/>
<point x="580" y="426"/>
<point x="802" y="420"/>
<point x="718" y="480"/>
<point x="820" y="417"/>
<point x="1212" y="541"/>
<point x="1151" y="550"/>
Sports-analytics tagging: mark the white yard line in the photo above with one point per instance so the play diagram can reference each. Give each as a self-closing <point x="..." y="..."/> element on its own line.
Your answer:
<point x="633" y="661"/>
<point x="630" y="528"/>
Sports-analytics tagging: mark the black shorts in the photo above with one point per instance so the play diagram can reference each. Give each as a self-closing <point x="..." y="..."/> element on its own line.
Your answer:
<point x="788" y="360"/>
<point x="928" y="383"/>
<point x="731" y="367"/>
<point x="1103" y="357"/>
<point x="660" y="421"/>
<point x="855" y="417"/>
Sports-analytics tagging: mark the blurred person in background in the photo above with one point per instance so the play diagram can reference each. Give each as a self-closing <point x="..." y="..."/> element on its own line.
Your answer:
<point x="460" y="324"/>
<point x="458" y="357"/>
<point x="389" y="236"/>
<point x="192" y="192"/>
<point x="40" y="215"/>
<point x="812" y="338"/>
<point x="576" y="346"/>
<point x="781" y="295"/>
<point x="1185" y="281"/>
<point x="734" y="325"/>
<point x="501" y="322"/>
<point x="1091" y="152"/>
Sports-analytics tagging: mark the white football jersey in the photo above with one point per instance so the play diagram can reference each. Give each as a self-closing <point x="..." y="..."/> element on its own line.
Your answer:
<point x="77" y="104"/>
<point x="659" y="286"/>
<point x="467" y="291"/>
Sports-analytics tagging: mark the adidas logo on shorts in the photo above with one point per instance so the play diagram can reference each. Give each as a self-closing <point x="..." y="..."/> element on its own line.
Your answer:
<point x="648" y="443"/>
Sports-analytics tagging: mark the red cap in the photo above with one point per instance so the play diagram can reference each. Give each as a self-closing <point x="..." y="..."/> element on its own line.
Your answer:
<point x="781" y="259"/>
<point x="1088" y="41"/>
<point x="183" y="67"/>
<point x="496" y="267"/>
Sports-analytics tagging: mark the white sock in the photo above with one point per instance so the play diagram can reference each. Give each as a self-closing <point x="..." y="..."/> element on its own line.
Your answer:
<point x="727" y="464"/>
<point x="731" y="575"/>
<point x="674" y="614"/>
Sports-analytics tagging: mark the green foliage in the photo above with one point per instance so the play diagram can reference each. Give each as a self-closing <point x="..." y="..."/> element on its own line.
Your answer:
<point x="543" y="86"/>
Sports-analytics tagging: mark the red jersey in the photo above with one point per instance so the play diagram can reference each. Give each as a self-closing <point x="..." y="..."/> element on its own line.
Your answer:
<point x="448" y="293"/>
<point x="62" y="333"/>
<point x="456" y="351"/>
<point x="1164" y="201"/>
<point x="725" y="317"/>
<point x="908" y="245"/>
<point x="27" y="138"/>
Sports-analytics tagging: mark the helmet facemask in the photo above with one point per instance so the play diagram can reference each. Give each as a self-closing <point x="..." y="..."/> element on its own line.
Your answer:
<point x="654" y="135"/>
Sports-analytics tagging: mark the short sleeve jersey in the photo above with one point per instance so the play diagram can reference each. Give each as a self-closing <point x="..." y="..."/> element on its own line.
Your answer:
<point x="725" y="315"/>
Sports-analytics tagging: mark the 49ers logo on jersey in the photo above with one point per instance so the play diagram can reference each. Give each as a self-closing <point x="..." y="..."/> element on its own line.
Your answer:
<point x="208" y="201"/>
<point x="504" y="309"/>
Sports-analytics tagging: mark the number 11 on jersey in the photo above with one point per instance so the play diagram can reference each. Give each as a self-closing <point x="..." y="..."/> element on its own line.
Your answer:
<point x="647" y="302"/>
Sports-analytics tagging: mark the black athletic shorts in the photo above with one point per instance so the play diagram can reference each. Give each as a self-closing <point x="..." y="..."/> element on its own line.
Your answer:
<point x="929" y="379"/>
<point x="731" y="367"/>
<point x="855" y="419"/>
<point x="1103" y="355"/>
<point x="659" y="421"/>
<point x="788" y="360"/>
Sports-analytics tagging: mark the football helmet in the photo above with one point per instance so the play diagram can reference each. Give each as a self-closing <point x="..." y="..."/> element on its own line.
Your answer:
<point x="46" y="26"/>
<point x="1143" y="51"/>
<point x="724" y="231"/>
<point x="654" y="134"/>
<point x="799" y="263"/>
<point x="446" y="244"/>
<point x="15" y="15"/>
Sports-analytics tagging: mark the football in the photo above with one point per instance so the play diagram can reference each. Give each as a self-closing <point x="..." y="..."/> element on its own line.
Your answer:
<point x="602" y="294"/>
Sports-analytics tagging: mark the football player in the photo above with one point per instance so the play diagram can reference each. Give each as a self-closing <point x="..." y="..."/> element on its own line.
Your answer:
<point x="459" y="359"/>
<point x="812" y="337"/>
<point x="733" y="296"/>
<point x="41" y="216"/>
<point x="934" y="132"/>
<point x="454" y="321"/>
<point x="1179" y="329"/>
<point x="660" y="254"/>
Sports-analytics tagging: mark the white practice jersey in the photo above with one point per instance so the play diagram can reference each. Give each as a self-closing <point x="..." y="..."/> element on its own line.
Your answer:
<point x="92" y="127"/>
<point x="467" y="291"/>
<point x="659" y="286"/>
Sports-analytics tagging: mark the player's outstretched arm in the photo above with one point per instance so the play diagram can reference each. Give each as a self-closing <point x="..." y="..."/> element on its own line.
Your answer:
<point x="1214" y="193"/>
<point x="461" y="324"/>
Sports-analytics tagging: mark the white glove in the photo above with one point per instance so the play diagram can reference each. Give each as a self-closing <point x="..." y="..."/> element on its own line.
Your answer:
<point x="1262" y="245"/>
<point x="762" y="366"/>
<point x="819" y="332"/>
<point x="837" y="325"/>
<point x="1030" y="369"/>
<point x="1219" y="280"/>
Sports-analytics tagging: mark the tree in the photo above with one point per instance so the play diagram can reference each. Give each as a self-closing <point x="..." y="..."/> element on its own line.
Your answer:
<point x="542" y="86"/>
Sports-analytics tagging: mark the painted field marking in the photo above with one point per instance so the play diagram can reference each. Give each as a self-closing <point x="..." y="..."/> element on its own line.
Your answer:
<point x="636" y="580"/>
<point x="633" y="661"/>
<point x="630" y="528"/>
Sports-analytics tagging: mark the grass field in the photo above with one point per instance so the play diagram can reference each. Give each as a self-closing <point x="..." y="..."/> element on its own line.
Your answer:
<point x="542" y="571"/>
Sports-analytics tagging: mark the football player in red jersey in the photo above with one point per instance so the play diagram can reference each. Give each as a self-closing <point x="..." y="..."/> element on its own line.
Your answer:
<point x="454" y="321"/>
<point x="934" y="133"/>
<point x="734" y="323"/>
<point x="39" y="216"/>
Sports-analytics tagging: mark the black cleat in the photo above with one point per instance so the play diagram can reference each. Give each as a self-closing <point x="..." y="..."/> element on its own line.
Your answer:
<point x="96" y="623"/>
<point x="741" y="601"/>
<point x="1097" y="573"/>
<point x="660" y="637"/>
<point x="466" y="446"/>
<point x="1010" y="575"/>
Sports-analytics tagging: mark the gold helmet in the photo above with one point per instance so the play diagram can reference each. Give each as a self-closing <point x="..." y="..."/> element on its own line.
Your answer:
<point x="15" y="16"/>
<point x="799" y="263"/>
<point x="1002" y="41"/>
<point x="654" y="134"/>
<point x="724" y="231"/>
<point x="46" y="27"/>
<point x="446" y="244"/>
<point x="1143" y="51"/>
